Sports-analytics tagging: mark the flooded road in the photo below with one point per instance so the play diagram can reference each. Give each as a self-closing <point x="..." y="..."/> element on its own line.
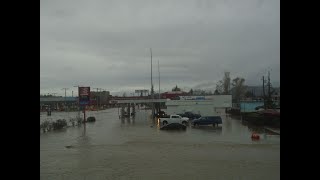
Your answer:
<point x="111" y="148"/>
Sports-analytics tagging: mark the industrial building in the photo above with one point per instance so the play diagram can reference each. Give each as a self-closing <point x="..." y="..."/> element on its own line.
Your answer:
<point x="203" y="105"/>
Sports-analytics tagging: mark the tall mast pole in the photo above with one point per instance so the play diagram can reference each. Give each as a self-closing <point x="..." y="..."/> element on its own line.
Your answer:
<point x="159" y="77"/>
<point x="152" y="96"/>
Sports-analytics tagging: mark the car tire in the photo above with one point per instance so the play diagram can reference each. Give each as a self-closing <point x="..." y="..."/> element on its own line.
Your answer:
<point x="164" y="123"/>
<point x="185" y="123"/>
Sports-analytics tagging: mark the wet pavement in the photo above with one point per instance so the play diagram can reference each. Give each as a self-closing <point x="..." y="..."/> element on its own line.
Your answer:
<point x="113" y="148"/>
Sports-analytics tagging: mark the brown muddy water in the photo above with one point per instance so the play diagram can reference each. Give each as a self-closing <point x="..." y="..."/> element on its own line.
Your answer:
<point x="113" y="148"/>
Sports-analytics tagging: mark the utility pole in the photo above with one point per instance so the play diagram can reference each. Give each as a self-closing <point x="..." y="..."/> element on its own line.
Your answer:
<point x="159" y="78"/>
<point x="269" y="92"/>
<point x="72" y="103"/>
<point x="152" y="87"/>
<point x="159" y="87"/>
<point x="151" y="75"/>
<point x="264" y="96"/>
<point x="65" y="96"/>
<point x="54" y="105"/>
<point x="100" y="96"/>
<point x="78" y="101"/>
<point x="97" y="95"/>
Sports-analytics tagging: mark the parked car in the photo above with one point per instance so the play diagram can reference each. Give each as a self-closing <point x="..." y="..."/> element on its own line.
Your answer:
<point x="207" y="120"/>
<point x="190" y="115"/>
<point x="174" y="119"/>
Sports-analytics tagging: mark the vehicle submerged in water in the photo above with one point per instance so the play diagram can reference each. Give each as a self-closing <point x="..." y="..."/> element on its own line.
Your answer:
<point x="174" y="119"/>
<point x="207" y="120"/>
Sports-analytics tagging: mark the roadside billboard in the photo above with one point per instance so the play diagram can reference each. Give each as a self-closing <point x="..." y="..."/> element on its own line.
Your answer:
<point x="84" y="96"/>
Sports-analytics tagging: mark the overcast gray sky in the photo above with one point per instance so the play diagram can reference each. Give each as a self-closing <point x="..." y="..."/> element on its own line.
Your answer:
<point x="106" y="43"/>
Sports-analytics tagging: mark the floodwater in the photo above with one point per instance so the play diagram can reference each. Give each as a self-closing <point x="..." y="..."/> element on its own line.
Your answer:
<point x="111" y="148"/>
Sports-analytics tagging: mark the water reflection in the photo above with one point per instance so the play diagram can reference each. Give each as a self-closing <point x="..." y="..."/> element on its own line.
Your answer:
<point x="84" y="148"/>
<point x="245" y="123"/>
<point x="256" y="129"/>
<point x="128" y="120"/>
<point x="158" y="123"/>
<point x="217" y="130"/>
<point x="253" y="128"/>
<point x="122" y="120"/>
<point x="84" y="129"/>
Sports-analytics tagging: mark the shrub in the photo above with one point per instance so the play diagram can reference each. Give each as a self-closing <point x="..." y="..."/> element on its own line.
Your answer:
<point x="45" y="126"/>
<point x="59" y="124"/>
<point x="91" y="119"/>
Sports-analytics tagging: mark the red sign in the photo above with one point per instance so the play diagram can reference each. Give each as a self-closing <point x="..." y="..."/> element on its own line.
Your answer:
<point x="84" y="91"/>
<point x="84" y="96"/>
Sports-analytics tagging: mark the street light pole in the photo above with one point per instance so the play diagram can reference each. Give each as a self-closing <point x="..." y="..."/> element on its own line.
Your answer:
<point x="65" y="96"/>
<point x="53" y="94"/>
<point x="100" y="98"/>
<point x="152" y="96"/>
<point x="78" y="101"/>
<point x="100" y="95"/>
<point x="97" y="95"/>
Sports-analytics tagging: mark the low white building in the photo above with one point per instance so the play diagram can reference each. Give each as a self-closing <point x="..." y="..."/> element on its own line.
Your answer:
<point x="203" y="105"/>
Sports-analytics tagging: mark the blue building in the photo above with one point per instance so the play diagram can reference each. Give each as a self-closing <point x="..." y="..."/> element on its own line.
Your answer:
<point x="249" y="106"/>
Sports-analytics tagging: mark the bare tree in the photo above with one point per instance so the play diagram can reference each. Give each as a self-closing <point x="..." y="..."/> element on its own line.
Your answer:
<point x="249" y="94"/>
<point x="199" y="92"/>
<point x="219" y="87"/>
<point x="216" y="92"/>
<point x="226" y="83"/>
<point x="223" y="86"/>
<point x="239" y="88"/>
<point x="271" y="91"/>
<point x="191" y="92"/>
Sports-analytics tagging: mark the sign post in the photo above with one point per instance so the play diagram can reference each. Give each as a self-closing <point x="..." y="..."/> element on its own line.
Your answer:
<point x="84" y="99"/>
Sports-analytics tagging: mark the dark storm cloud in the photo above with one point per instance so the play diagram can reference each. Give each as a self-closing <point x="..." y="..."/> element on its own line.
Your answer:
<point x="107" y="43"/>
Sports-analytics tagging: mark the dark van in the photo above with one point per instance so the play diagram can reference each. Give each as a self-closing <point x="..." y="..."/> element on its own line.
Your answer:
<point x="207" y="120"/>
<point x="190" y="115"/>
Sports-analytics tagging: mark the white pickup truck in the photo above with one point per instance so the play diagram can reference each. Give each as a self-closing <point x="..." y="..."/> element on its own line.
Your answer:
<point x="174" y="119"/>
